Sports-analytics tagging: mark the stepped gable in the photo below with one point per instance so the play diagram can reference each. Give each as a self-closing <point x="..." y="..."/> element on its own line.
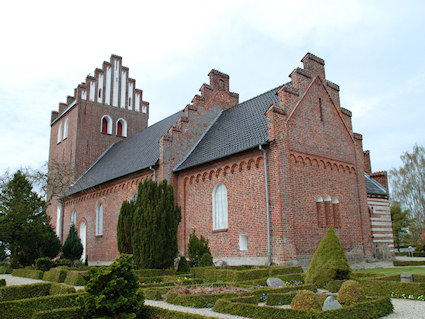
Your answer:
<point x="235" y="130"/>
<point x="125" y="157"/>
<point x="373" y="187"/>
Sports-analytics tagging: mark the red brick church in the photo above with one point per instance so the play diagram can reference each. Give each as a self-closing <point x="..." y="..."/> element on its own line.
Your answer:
<point x="261" y="179"/>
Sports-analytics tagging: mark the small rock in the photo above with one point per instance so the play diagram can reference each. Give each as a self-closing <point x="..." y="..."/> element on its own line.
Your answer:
<point x="406" y="277"/>
<point x="275" y="282"/>
<point x="331" y="303"/>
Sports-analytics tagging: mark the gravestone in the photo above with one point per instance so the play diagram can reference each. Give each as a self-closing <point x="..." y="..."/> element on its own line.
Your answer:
<point x="331" y="303"/>
<point x="275" y="282"/>
<point x="406" y="277"/>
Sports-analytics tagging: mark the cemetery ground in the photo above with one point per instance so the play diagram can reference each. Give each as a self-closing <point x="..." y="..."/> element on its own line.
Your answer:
<point x="209" y="292"/>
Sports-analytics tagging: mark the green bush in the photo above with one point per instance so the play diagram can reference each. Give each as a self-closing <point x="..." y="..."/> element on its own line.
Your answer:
<point x="75" y="278"/>
<point x="63" y="262"/>
<point x="392" y="288"/>
<point x="306" y="299"/>
<point x="113" y="290"/>
<point x="401" y="253"/>
<point x="5" y="269"/>
<point x="183" y="266"/>
<point x="2" y="282"/>
<point x="154" y="272"/>
<point x="284" y="270"/>
<point x="72" y="248"/>
<point x="44" y="263"/>
<point x="228" y="275"/>
<point x="291" y="278"/>
<point x="55" y="275"/>
<point x="24" y="308"/>
<point x="197" y="248"/>
<point x="329" y="262"/>
<point x="60" y="289"/>
<point x="155" y="312"/>
<point x="418" y="254"/>
<point x="61" y="313"/>
<point x="350" y="293"/>
<point x="206" y="260"/>
<point x="24" y="291"/>
<point x="373" y="308"/>
<point x="274" y="299"/>
<point x="409" y="263"/>
<point x="334" y="285"/>
<point x="27" y="273"/>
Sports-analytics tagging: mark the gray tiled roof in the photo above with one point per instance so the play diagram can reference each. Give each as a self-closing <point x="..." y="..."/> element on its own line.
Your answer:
<point x="127" y="156"/>
<point x="373" y="187"/>
<point x="235" y="130"/>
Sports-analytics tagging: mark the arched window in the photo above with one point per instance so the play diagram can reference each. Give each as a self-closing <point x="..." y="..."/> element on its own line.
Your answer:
<point x="83" y="240"/>
<point x="122" y="128"/>
<point x="74" y="218"/>
<point x="106" y="124"/>
<point x="219" y="202"/>
<point x="65" y="129"/>
<point x="59" y="222"/>
<point x="99" y="220"/>
<point x="336" y="212"/>
<point x="60" y="133"/>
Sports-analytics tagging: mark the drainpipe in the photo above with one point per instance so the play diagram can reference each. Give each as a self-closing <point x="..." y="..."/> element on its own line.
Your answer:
<point x="61" y="219"/>
<point x="154" y="172"/>
<point x="267" y="204"/>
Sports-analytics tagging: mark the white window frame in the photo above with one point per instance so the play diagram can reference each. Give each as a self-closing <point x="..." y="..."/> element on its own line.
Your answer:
<point x="60" y="133"/>
<point x="220" y="207"/>
<point x="124" y="127"/>
<point x="99" y="220"/>
<point x="74" y="218"/>
<point x="59" y="222"/>
<point x="109" y="125"/>
<point x="65" y="129"/>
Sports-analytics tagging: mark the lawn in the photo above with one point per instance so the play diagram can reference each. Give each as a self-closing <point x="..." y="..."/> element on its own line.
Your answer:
<point x="394" y="271"/>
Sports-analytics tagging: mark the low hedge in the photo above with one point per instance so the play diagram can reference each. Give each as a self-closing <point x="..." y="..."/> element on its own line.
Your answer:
<point x="409" y="262"/>
<point x="60" y="289"/>
<point x="28" y="273"/>
<point x="55" y="275"/>
<point x="419" y="254"/>
<point x="356" y="275"/>
<point x="155" y="312"/>
<point x="24" y="291"/>
<point x="373" y="308"/>
<point x="280" y="299"/>
<point x="25" y="308"/>
<point x="2" y="282"/>
<point x="75" y="278"/>
<point x="392" y="288"/>
<point x="5" y="270"/>
<point x="60" y="313"/>
<point x="284" y="270"/>
<point x="154" y="272"/>
<point x="401" y="253"/>
<point x="263" y="281"/>
<point x="155" y="293"/>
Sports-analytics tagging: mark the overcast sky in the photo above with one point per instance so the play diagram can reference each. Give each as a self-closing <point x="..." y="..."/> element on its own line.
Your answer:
<point x="374" y="50"/>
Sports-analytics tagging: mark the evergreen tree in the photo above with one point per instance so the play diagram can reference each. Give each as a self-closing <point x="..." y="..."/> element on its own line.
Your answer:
<point x="155" y="221"/>
<point x="196" y="248"/>
<point x="72" y="248"/>
<point x="329" y="262"/>
<point x="24" y="225"/>
<point x="401" y="221"/>
<point x="125" y="221"/>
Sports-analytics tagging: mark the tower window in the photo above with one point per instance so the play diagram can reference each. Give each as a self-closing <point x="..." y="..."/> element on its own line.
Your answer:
<point x="122" y="128"/>
<point x="60" y="133"/>
<point x="220" y="209"/>
<point x="65" y="129"/>
<point x="106" y="124"/>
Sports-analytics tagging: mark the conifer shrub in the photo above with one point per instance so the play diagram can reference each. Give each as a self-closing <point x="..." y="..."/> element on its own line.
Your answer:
<point x="306" y="299"/>
<point x="124" y="227"/>
<point x="113" y="291"/>
<point x="2" y="282"/>
<point x="183" y="267"/>
<point x="197" y="247"/>
<point x="206" y="260"/>
<point x="329" y="262"/>
<point x="350" y="292"/>
<point x="44" y="263"/>
<point x="72" y="248"/>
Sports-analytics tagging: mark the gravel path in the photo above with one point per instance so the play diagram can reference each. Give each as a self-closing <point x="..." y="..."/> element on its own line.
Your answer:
<point x="403" y="309"/>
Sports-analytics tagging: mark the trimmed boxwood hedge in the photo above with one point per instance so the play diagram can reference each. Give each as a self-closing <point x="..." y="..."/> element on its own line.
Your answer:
<point x="2" y="282"/>
<point x="28" y="273"/>
<point x="409" y="263"/>
<point x="75" y="278"/>
<point x="263" y="281"/>
<point x="24" y="291"/>
<point x="155" y="312"/>
<point x="284" y="270"/>
<point x="55" y="275"/>
<point x="154" y="272"/>
<point x="24" y="308"/>
<point x="60" y="313"/>
<point x="5" y="270"/>
<point x="392" y="288"/>
<point x="372" y="308"/>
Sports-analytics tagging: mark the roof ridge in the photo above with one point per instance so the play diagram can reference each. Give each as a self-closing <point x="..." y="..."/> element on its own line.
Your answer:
<point x="377" y="184"/>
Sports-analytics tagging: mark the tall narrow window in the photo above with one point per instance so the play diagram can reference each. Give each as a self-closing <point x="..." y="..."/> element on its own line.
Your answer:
<point x="59" y="222"/>
<point x="65" y="129"/>
<point x="83" y="240"/>
<point x="106" y="124"/>
<point x="320" y="209"/>
<point x="336" y="212"/>
<point x="328" y="211"/>
<point x="122" y="128"/>
<point x="74" y="218"/>
<point x="60" y="133"/>
<point x="99" y="220"/>
<point x="320" y="109"/>
<point x="220" y="209"/>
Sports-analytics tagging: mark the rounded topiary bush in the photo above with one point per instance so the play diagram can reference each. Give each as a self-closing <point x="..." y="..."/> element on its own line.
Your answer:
<point x="334" y="285"/>
<point x="306" y="299"/>
<point x="183" y="266"/>
<point x="44" y="263"/>
<point x="350" y="292"/>
<point x="206" y="260"/>
<point x="329" y="262"/>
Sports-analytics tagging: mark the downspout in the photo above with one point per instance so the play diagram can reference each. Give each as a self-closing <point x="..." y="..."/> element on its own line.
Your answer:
<point x="154" y="172"/>
<point x="61" y="220"/>
<point x="269" y="262"/>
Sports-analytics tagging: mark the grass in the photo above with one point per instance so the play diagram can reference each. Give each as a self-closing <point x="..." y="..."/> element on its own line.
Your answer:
<point x="394" y="271"/>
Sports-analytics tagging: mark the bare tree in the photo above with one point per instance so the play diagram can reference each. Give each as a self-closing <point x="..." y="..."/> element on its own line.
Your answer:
<point x="408" y="186"/>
